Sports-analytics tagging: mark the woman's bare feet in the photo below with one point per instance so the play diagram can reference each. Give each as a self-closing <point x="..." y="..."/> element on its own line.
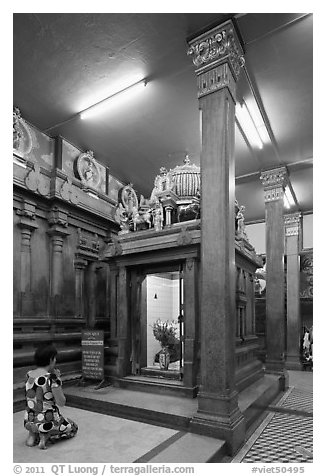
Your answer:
<point x="31" y="439"/>
<point x="43" y="441"/>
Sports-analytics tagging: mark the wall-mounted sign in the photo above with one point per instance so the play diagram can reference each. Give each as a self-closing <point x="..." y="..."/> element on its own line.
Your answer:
<point x="93" y="354"/>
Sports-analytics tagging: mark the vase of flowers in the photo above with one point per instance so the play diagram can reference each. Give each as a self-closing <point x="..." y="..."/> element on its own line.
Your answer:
<point x="165" y="332"/>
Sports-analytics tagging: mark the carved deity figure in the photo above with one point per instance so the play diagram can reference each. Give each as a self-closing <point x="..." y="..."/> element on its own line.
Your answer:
<point x="241" y="229"/>
<point x="88" y="172"/>
<point x="121" y="217"/>
<point x="163" y="182"/>
<point x="158" y="216"/>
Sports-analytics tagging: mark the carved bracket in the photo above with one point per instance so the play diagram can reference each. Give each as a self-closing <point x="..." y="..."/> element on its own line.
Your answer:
<point x="69" y="192"/>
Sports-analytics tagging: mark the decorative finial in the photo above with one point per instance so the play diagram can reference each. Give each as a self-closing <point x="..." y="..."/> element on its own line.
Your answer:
<point x="186" y="160"/>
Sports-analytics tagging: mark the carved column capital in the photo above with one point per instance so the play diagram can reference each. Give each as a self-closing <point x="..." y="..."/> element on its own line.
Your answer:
<point x="58" y="217"/>
<point x="218" y="57"/>
<point x="216" y="46"/>
<point x="292" y="224"/>
<point x="80" y="263"/>
<point x="274" y="182"/>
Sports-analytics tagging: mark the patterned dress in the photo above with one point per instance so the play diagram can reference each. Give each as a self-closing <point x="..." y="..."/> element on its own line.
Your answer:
<point x="42" y="415"/>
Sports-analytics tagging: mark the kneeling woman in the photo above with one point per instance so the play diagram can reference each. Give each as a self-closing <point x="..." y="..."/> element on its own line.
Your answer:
<point x="44" y="396"/>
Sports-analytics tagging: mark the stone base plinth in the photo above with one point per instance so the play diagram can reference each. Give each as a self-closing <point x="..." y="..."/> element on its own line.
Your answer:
<point x="219" y="416"/>
<point x="293" y="362"/>
<point x="278" y="368"/>
<point x="232" y="429"/>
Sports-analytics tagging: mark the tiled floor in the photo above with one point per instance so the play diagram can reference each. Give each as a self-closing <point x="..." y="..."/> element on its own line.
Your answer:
<point x="286" y="434"/>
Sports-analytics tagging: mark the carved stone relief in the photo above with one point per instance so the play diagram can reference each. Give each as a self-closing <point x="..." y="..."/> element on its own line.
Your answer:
<point x="88" y="170"/>
<point x="22" y="139"/>
<point x="36" y="182"/>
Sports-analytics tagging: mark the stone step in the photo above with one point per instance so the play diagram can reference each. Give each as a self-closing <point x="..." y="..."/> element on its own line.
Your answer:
<point x="155" y="384"/>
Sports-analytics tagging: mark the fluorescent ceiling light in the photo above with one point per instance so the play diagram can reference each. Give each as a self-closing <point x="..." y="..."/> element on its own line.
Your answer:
<point x="288" y="199"/>
<point x="248" y="126"/>
<point x="103" y="105"/>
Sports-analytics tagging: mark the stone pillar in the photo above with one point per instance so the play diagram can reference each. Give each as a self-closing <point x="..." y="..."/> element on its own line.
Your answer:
<point x="91" y="294"/>
<point x="274" y="182"/>
<point x="57" y="233"/>
<point x="293" y="229"/>
<point x="190" y="331"/>
<point x="27" y="225"/>
<point x="123" y="328"/>
<point x="25" y="260"/>
<point x="218" y="57"/>
<point x="79" y="265"/>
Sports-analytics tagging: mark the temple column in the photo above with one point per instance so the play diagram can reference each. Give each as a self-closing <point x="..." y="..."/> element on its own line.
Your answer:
<point x="274" y="182"/>
<point x="25" y="257"/>
<point x="218" y="57"/>
<point x="293" y="229"/>
<point x="91" y="294"/>
<point x="190" y="332"/>
<point x="79" y="265"/>
<point x="123" y="329"/>
<point x="27" y="225"/>
<point x="58" y="231"/>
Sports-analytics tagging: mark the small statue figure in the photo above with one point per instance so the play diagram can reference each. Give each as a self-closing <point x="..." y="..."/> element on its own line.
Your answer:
<point x="158" y="217"/>
<point x="122" y="218"/>
<point x="241" y="231"/>
<point x="162" y="182"/>
<point x="138" y="218"/>
<point x="88" y="172"/>
<point x="143" y="202"/>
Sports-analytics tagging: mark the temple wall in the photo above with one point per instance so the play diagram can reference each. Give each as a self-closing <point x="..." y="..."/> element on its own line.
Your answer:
<point x="60" y="284"/>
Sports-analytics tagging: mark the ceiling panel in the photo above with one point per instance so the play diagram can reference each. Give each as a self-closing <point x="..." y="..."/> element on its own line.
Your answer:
<point x="66" y="62"/>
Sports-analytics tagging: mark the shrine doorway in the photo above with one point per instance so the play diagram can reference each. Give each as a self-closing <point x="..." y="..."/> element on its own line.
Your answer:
<point x="157" y="304"/>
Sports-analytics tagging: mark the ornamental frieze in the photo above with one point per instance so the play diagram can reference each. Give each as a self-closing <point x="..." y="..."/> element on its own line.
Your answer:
<point x="218" y="44"/>
<point x="215" y="79"/>
<point x="306" y="275"/>
<point x="273" y="194"/>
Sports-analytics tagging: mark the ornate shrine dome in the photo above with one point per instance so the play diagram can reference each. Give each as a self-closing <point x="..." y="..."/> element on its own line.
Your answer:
<point x="186" y="180"/>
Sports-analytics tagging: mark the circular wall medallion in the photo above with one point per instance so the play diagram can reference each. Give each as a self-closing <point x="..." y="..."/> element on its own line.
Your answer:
<point x="88" y="170"/>
<point x="129" y="198"/>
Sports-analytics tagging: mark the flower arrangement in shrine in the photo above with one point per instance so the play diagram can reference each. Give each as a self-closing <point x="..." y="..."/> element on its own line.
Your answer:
<point x="165" y="332"/>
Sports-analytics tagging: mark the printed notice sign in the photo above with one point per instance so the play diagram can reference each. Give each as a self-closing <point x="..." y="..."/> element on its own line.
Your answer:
<point x="93" y="354"/>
